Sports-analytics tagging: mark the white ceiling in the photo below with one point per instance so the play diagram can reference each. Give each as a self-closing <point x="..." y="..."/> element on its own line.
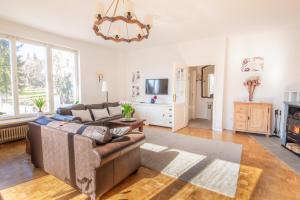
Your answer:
<point x="173" y="20"/>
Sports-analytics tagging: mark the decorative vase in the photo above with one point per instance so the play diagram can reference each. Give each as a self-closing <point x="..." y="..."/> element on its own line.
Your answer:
<point x="251" y="85"/>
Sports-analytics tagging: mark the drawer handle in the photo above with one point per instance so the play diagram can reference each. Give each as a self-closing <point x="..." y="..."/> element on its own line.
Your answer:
<point x="170" y="122"/>
<point x="170" y="109"/>
<point x="170" y="115"/>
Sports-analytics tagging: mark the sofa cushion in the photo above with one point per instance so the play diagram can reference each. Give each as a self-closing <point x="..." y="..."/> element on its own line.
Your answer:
<point x="96" y="106"/>
<point x="100" y="113"/>
<point x="112" y="104"/>
<point x="119" y="144"/>
<point x="113" y="111"/>
<point x="67" y="110"/>
<point x="100" y="122"/>
<point x="84" y="115"/>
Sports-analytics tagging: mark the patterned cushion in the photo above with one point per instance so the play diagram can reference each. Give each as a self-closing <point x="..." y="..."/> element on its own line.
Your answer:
<point x="119" y="132"/>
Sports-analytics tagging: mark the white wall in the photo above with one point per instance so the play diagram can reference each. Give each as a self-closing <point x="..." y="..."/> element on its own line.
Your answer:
<point x="281" y="51"/>
<point x="157" y="62"/>
<point x="93" y="58"/>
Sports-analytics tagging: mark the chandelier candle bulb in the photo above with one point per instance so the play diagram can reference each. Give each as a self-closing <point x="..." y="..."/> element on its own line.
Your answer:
<point x="129" y="6"/>
<point x="99" y="9"/>
<point x="148" y="20"/>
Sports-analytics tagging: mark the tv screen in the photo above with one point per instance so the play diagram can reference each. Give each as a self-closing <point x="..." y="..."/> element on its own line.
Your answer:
<point x="157" y="86"/>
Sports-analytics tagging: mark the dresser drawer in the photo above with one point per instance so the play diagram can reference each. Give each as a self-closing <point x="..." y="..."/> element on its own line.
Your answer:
<point x="242" y="126"/>
<point x="241" y="108"/>
<point x="241" y="117"/>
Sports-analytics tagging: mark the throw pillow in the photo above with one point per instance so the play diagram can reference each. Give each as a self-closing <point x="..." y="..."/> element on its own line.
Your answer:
<point x="84" y="115"/>
<point x="113" y="111"/>
<point x="43" y="120"/>
<point x="100" y="113"/>
<point x="118" y="132"/>
<point x="100" y="134"/>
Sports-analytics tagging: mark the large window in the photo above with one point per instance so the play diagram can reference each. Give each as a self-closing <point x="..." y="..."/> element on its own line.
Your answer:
<point x="64" y="77"/>
<point x="6" y="99"/>
<point x="32" y="75"/>
<point x="27" y="72"/>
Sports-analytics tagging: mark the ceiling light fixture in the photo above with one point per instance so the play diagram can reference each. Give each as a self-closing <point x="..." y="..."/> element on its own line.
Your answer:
<point x="109" y="26"/>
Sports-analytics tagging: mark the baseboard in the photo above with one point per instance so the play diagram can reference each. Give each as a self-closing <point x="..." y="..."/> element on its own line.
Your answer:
<point x="218" y="129"/>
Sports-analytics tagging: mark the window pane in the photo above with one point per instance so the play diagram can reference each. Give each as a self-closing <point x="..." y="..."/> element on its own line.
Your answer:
<point x="31" y="73"/>
<point x="6" y="100"/>
<point x="64" y="77"/>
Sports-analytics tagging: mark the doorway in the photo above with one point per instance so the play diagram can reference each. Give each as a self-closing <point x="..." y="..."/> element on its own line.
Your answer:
<point x="200" y="96"/>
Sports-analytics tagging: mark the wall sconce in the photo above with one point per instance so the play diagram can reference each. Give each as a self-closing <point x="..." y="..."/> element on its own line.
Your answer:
<point x="100" y="77"/>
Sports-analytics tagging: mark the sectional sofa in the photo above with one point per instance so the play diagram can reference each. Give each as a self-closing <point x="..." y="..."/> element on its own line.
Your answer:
<point x="81" y="162"/>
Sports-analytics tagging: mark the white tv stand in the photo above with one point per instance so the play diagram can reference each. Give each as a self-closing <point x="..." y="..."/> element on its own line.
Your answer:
<point x="155" y="114"/>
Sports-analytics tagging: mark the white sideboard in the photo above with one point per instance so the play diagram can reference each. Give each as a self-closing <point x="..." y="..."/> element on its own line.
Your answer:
<point x="155" y="114"/>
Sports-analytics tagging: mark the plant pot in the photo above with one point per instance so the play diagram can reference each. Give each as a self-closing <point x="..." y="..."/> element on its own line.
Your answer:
<point x="128" y="115"/>
<point x="40" y="114"/>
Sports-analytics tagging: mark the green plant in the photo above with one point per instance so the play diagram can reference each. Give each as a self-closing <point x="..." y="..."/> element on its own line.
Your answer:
<point x="39" y="103"/>
<point x="127" y="110"/>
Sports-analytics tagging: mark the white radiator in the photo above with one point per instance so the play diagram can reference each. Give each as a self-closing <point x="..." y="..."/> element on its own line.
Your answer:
<point x="13" y="133"/>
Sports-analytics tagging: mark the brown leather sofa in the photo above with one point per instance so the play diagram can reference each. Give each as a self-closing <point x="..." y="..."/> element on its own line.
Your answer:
<point x="63" y="113"/>
<point x="78" y="161"/>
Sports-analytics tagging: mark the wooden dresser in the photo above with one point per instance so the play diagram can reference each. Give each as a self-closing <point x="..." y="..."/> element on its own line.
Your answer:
<point x="253" y="117"/>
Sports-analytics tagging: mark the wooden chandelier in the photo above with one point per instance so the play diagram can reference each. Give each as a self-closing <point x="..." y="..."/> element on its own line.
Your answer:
<point x="129" y="19"/>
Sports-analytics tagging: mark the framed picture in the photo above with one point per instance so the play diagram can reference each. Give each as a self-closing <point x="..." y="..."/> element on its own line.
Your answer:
<point x="254" y="64"/>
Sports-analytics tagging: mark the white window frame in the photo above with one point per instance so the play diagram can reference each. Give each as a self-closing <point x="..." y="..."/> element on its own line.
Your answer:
<point x="49" y="77"/>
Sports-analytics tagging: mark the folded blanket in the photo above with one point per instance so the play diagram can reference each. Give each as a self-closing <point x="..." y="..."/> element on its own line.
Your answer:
<point x="100" y="134"/>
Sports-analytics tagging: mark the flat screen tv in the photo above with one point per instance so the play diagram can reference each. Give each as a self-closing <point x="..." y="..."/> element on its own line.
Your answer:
<point x="157" y="86"/>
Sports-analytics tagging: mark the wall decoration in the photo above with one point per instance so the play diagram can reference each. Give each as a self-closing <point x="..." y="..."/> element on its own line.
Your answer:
<point x="254" y="64"/>
<point x="135" y="81"/>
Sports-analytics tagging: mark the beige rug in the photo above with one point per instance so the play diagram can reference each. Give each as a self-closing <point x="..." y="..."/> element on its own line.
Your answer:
<point x="212" y="174"/>
<point x="210" y="164"/>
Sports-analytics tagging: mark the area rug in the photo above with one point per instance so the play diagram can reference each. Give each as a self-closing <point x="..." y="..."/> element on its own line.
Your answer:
<point x="213" y="165"/>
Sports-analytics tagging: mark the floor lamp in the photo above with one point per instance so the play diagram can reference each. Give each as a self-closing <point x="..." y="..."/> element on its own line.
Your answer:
<point x="105" y="89"/>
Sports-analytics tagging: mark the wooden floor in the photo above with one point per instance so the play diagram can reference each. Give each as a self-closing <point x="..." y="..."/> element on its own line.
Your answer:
<point x="277" y="180"/>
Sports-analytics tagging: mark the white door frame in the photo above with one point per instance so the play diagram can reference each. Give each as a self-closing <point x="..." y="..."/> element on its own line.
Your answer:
<point x="217" y="119"/>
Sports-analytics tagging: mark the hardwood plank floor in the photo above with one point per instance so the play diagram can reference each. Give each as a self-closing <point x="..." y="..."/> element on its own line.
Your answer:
<point x="277" y="180"/>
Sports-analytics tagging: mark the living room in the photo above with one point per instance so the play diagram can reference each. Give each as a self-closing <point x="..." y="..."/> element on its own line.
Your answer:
<point x="87" y="113"/>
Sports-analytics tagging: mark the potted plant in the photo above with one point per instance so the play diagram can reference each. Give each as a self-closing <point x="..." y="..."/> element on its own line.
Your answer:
<point x="39" y="103"/>
<point x="127" y="110"/>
